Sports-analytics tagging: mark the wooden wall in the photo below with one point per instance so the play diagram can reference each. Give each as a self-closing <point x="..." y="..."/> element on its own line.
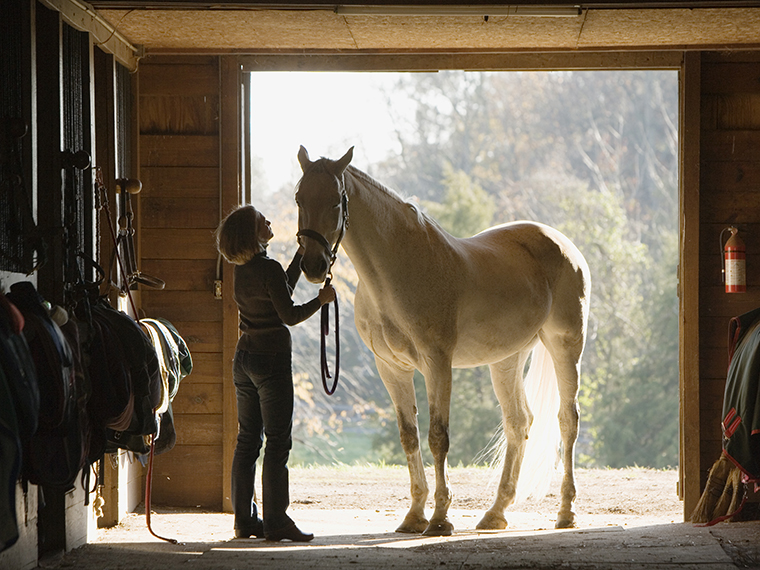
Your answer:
<point x="179" y="208"/>
<point x="729" y="194"/>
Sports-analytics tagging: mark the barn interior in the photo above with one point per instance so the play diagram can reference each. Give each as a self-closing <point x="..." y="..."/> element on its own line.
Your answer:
<point x="153" y="91"/>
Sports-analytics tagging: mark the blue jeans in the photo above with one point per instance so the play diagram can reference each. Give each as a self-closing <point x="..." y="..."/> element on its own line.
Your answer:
<point x="264" y="390"/>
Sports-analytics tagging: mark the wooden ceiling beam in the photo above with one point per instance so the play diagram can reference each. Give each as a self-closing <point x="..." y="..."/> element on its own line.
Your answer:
<point x="84" y="18"/>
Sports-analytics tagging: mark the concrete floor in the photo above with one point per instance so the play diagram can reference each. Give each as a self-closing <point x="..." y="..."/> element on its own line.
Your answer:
<point x="353" y="539"/>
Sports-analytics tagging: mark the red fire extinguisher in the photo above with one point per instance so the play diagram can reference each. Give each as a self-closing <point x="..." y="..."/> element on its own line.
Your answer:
<point x="734" y="262"/>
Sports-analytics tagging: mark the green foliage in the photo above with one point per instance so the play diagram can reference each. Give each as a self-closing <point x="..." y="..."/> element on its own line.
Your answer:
<point x="466" y="209"/>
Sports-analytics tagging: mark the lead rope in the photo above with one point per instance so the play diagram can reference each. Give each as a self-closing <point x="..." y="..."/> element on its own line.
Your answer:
<point x="325" y="326"/>
<point x="149" y="489"/>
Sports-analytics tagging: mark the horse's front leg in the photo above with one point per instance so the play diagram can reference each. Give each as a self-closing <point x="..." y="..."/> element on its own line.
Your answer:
<point x="438" y="383"/>
<point x="400" y="386"/>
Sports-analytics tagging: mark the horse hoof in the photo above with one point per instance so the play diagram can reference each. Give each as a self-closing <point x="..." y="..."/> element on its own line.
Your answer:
<point x="565" y="520"/>
<point x="444" y="528"/>
<point x="413" y="525"/>
<point x="492" y="521"/>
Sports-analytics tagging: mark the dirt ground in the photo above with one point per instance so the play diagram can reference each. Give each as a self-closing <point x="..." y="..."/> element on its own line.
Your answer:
<point x="635" y="494"/>
<point x="626" y="519"/>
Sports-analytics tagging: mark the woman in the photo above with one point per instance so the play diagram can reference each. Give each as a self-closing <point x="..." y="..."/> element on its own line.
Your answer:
<point x="262" y="372"/>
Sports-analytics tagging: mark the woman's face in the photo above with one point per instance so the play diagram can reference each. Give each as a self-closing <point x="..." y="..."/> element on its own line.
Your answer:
<point x="265" y="229"/>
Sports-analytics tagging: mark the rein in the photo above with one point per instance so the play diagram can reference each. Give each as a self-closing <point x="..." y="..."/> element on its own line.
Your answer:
<point x="325" y="316"/>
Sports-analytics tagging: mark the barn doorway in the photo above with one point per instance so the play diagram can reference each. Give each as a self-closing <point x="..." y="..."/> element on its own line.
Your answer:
<point x="593" y="153"/>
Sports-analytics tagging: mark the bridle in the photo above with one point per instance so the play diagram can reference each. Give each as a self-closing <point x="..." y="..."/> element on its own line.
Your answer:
<point x="322" y="240"/>
<point x="325" y="316"/>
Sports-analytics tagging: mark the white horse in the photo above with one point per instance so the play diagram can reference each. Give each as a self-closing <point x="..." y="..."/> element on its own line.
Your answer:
<point x="429" y="301"/>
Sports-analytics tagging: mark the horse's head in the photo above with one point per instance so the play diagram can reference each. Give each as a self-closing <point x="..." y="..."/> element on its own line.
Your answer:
<point x="322" y="212"/>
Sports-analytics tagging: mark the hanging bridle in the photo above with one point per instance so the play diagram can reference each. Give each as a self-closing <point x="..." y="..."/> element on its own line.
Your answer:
<point x="325" y="316"/>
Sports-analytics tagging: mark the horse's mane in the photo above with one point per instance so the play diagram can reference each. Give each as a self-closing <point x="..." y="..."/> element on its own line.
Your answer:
<point x="422" y="217"/>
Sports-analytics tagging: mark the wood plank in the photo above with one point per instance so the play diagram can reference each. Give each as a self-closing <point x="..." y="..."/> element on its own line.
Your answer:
<point x="177" y="305"/>
<point x="712" y="447"/>
<point x="737" y="111"/>
<point x="709" y="112"/>
<point x="181" y="181"/>
<point x="514" y="61"/>
<point x="198" y="398"/>
<point x="713" y="389"/>
<point x="709" y="57"/>
<point x="180" y="78"/>
<point x="713" y="364"/>
<point x="730" y="207"/>
<point x="179" y="150"/>
<point x="181" y="213"/>
<point x="168" y="59"/>
<point x="230" y="188"/>
<point x="688" y="278"/>
<point x="710" y="425"/>
<point x="715" y="302"/>
<point x="731" y="77"/>
<point x="735" y="176"/>
<point x="198" y="429"/>
<point x="714" y="331"/>
<point x="179" y="114"/>
<point x="188" y="476"/>
<point x="728" y="146"/>
<point x="191" y="244"/>
<point x="182" y="274"/>
<point x="201" y="336"/>
<point x="207" y="369"/>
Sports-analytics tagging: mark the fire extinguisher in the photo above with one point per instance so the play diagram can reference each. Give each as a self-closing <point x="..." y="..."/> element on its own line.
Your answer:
<point x="734" y="261"/>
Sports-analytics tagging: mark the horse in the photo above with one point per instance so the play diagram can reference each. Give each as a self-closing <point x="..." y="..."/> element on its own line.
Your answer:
<point x="429" y="301"/>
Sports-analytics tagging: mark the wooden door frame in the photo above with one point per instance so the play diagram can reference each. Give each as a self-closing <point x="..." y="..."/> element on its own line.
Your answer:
<point x="230" y="164"/>
<point x="686" y="63"/>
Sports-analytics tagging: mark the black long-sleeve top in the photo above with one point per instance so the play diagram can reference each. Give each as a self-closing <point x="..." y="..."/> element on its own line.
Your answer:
<point x="263" y="292"/>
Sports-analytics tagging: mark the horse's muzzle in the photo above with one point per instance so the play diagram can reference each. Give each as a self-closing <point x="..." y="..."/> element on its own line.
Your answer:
<point x="315" y="267"/>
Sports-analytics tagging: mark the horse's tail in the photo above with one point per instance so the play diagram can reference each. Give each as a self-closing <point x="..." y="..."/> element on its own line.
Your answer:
<point x="542" y="451"/>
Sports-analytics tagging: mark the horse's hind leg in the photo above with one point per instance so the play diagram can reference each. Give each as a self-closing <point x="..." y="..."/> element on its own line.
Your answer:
<point x="400" y="386"/>
<point x="566" y="353"/>
<point x="507" y="380"/>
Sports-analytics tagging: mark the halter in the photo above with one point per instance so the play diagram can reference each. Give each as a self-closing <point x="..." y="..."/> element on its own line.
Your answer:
<point x="322" y="240"/>
<point x="325" y="316"/>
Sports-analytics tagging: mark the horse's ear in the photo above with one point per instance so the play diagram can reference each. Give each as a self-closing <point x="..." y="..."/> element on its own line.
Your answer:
<point x="303" y="158"/>
<point x="343" y="162"/>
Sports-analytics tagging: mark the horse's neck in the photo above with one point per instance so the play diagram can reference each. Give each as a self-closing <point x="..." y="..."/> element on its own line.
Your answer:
<point x="384" y="234"/>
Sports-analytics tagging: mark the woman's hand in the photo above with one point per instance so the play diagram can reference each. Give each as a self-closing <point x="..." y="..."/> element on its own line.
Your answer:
<point x="326" y="294"/>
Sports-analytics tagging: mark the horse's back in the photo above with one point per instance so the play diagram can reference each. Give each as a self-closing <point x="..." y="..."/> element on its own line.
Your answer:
<point x="530" y="249"/>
